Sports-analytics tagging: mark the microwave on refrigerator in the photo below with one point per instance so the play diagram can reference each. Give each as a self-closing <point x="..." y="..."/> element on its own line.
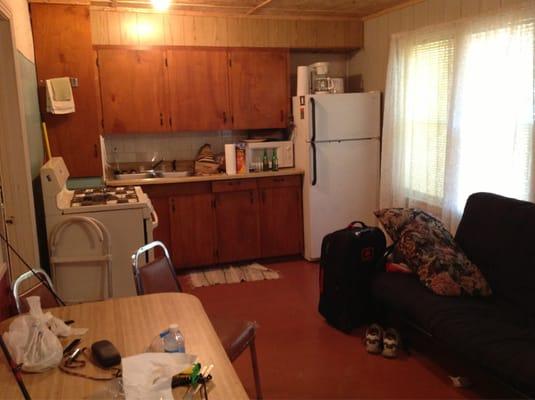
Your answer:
<point x="255" y="153"/>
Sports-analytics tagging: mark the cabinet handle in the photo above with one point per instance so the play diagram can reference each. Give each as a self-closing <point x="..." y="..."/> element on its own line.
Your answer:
<point x="95" y="150"/>
<point x="161" y="119"/>
<point x="224" y="117"/>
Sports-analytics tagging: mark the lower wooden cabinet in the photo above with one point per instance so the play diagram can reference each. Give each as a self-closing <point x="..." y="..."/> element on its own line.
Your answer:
<point x="192" y="226"/>
<point x="237" y="225"/>
<point x="280" y="220"/>
<point x="207" y="223"/>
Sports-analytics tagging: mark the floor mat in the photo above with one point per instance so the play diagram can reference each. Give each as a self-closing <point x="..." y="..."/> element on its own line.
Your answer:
<point x="232" y="274"/>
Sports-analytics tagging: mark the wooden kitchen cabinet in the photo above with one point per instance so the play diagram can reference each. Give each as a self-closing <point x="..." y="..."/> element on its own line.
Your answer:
<point x="281" y="228"/>
<point x="198" y="88"/>
<point x="62" y="43"/>
<point x="133" y="90"/>
<point x="259" y="88"/>
<point x="208" y="223"/>
<point x="192" y="221"/>
<point x="236" y="209"/>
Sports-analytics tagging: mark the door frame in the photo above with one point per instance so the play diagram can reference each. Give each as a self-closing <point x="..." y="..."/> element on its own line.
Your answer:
<point x="15" y="172"/>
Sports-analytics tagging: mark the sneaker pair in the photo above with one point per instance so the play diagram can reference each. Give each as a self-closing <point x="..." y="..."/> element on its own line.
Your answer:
<point x="385" y="342"/>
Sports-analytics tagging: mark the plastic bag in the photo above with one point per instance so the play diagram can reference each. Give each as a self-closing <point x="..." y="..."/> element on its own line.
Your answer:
<point x="31" y="342"/>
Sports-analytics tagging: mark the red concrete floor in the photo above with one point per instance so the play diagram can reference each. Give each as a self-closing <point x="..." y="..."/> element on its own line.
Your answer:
<point x="301" y="357"/>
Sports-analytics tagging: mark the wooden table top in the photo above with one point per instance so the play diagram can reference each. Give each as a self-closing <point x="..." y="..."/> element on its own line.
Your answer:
<point x="130" y="323"/>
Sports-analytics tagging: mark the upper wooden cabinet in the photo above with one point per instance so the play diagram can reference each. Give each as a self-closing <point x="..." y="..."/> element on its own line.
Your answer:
<point x="62" y="42"/>
<point x="193" y="89"/>
<point x="198" y="88"/>
<point x="133" y="90"/>
<point x="259" y="88"/>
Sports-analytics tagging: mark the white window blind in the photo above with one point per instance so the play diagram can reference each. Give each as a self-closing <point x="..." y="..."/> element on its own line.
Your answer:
<point x="459" y="111"/>
<point x="426" y="119"/>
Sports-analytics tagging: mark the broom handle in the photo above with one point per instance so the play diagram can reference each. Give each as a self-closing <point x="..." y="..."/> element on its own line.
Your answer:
<point x="15" y="370"/>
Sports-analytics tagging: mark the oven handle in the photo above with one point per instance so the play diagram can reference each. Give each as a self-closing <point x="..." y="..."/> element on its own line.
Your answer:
<point x="153" y="216"/>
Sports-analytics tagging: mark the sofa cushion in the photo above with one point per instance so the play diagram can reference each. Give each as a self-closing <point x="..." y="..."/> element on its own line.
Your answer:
<point x="426" y="246"/>
<point x="490" y="332"/>
<point x="497" y="233"/>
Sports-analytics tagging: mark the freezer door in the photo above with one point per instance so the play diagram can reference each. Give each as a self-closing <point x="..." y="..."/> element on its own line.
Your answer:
<point x="346" y="189"/>
<point x="344" y="116"/>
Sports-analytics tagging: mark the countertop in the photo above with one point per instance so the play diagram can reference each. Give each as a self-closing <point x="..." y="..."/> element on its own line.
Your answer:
<point x="204" y="178"/>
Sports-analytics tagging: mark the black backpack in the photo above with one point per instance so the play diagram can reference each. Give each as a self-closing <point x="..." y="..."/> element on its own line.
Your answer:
<point x="349" y="258"/>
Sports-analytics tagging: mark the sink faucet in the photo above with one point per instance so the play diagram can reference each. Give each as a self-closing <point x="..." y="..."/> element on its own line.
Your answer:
<point x="157" y="164"/>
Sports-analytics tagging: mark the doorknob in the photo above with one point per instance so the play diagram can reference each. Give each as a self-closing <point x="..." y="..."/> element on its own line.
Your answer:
<point x="10" y="220"/>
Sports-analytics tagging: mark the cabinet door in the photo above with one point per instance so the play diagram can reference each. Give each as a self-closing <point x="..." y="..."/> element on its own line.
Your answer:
<point x="132" y="85"/>
<point x="198" y="88"/>
<point x="192" y="230"/>
<point x="280" y="220"/>
<point x="62" y="42"/>
<point x="237" y="225"/>
<point x="259" y="88"/>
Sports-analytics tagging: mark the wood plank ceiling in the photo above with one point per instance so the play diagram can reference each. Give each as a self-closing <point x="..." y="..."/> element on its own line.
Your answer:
<point x="274" y="8"/>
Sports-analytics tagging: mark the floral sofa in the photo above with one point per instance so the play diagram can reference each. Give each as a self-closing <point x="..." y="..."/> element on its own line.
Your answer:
<point x="496" y="332"/>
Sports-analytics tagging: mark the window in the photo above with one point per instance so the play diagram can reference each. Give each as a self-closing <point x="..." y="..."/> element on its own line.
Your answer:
<point x="426" y="119"/>
<point x="459" y="111"/>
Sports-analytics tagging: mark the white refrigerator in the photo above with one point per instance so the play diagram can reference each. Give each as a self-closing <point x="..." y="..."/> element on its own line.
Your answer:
<point x="337" y="144"/>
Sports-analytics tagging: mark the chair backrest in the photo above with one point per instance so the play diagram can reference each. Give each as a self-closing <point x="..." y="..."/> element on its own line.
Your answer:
<point x="155" y="276"/>
<point x="48" y="300"/>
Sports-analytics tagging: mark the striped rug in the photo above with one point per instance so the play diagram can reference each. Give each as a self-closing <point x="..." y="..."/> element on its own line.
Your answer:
<point x="232" y="274"/>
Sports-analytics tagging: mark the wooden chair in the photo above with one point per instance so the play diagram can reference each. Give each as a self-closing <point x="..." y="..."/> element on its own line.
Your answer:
<point x="159" y="276"/>
<point x="47" y="299"/>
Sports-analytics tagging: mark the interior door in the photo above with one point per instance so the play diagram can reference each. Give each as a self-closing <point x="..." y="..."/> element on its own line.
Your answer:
<point x="15" y="164"/>
<point x="4" y="253"/>
<point x="198" y="88"/>
<point x="132" y="85"/>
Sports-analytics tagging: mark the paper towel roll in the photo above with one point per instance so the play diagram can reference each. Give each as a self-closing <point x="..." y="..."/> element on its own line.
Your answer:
<point x="303" y="81"/>
<point x="230" y="159"/>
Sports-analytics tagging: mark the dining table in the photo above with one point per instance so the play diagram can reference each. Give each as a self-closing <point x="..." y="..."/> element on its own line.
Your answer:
<point x="130" y="324"/>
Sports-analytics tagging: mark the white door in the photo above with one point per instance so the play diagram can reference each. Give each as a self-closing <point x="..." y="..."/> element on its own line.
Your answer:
<point x="346" y="189"/>
<point x="4" y="253"/>
<point x="344" y="116"/>
<point x="14" y="158"/>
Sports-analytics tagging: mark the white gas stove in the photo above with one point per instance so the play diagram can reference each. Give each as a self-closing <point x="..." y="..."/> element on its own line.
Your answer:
<point x="78" y="223"/>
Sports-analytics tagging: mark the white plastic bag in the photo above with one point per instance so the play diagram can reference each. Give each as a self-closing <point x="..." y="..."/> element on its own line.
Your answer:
<point x="31" y="342"/>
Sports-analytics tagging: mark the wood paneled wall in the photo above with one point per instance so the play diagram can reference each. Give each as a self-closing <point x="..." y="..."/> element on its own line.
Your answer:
<point x="371" y="62"/>
<point x="140" y="28"/>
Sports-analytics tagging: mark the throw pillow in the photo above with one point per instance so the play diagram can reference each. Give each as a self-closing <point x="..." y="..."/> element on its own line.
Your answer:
<point x="428" y="249"/>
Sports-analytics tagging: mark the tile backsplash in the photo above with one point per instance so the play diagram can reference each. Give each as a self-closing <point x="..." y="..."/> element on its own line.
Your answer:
<point x="168" y="146"/>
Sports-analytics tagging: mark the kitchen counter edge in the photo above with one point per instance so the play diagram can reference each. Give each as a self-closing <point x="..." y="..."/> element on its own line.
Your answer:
<point x="204" y="178"/>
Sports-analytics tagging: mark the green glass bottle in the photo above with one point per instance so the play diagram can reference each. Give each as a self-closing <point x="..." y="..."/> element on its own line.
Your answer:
<point x="274" y="161"/>
<point x="265" y="161"/>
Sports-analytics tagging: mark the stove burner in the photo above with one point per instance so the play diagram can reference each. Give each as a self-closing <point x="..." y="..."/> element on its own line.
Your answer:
<point x="104" y="196"/>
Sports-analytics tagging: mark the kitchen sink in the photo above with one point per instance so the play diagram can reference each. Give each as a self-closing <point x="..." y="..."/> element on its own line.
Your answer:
<point x="136" y="175"/>
<point x="173" y="174"/>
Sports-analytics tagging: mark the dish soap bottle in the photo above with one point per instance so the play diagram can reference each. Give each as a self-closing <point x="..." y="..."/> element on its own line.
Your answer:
<point x="274" y="161"/>
<point x="265" y="161"/>
<point x="173" y="342"/>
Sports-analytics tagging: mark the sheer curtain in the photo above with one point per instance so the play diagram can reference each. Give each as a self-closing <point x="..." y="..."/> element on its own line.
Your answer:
<point x="459" y="110"/>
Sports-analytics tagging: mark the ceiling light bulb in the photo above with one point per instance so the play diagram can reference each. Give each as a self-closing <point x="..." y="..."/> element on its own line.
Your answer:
<point x="161" y="5"/>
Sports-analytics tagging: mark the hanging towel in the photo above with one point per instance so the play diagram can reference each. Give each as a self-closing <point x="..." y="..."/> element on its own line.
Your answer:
<point x="59" y="98"/>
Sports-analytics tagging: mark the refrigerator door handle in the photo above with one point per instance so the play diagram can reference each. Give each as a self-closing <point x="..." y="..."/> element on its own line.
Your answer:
<point x="313" y="115"/>
<point x="314" y="178"/>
